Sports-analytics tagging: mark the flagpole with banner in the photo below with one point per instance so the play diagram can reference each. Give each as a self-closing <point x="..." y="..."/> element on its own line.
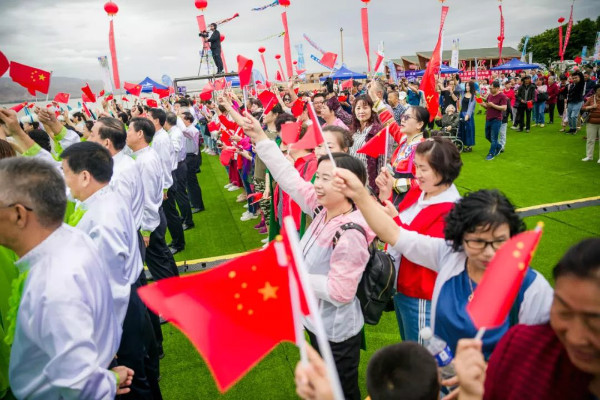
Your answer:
<point x="292" y="235"/>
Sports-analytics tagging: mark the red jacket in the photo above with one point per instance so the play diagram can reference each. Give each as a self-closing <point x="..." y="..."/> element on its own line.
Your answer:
<point x="415" y="280"/>
<point x="552" y="93"/>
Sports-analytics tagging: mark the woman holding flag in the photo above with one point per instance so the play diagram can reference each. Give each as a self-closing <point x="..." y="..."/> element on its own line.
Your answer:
<point x="476" y="227"/>
<point x="334" y="271"/>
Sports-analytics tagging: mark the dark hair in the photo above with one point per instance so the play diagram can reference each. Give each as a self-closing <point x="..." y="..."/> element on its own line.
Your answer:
<point x="343" y="136"/>
<point x="277" y="109"/>
<point x="320" y="94"/>
<point x="355" y="126"/>
<point x="89" y="125"/>
<point x="172" y="118"/>
<point x="159" y="114"/>
<point x="139" y="108"/>
<point x="6" y="150"/>
<point x="143" y="124"/>
<point x="222" y="109"/>
<point x="186" y="116"/>
<point x="41" y="138"/>
<point x="182" y="102"/>
<point x="443" y="157"/>
<point x="346" y="161"/>
<point x="79" y="115"/>
<point x="91" y="157"/>
<point x="124" y="117"/>
<point x="213" y="24"/>
<point x="113" y="130"/>
<point x="581" y="260"/>
<point x="37" y="184"/>
<point x="484" y="208"/>
<point x="403" y="371"/>
<point x="470" y="87"/>
<point x="421" y="114"/>
<point x="283" y="118"/>
<point x="35" y="124"/>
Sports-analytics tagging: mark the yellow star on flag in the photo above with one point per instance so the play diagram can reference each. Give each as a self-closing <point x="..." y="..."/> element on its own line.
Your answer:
<point x="42" y="77"/>
<point x="268" y="292"/>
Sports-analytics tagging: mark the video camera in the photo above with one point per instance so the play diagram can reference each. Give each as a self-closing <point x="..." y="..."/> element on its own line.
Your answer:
<point x="203" y="34"/>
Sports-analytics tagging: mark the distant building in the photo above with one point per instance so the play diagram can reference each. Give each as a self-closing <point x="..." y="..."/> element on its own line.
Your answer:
<point x="484" y="57"/>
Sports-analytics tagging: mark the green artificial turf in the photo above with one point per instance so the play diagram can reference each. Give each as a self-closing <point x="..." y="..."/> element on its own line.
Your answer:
<point x="537" y="168"/>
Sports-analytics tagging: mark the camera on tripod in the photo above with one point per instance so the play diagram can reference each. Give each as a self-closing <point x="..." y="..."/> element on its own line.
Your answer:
<point x="203" y="34"/>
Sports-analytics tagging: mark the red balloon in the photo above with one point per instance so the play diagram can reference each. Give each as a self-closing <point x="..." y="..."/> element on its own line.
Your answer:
<point x="201" y="4"/>
<point x="261" y="49"/>
<point x="561" y="20"/>
<point x="499" y="38"/>
<point x="222" y="37"/>
<point x="365" y="1"/>
<point x="4" y="64"/>
<point x="284" y="3"/>
<point x="295" y="62"/>
<point x="111" y="8"/>
<point x="277" y="56"/>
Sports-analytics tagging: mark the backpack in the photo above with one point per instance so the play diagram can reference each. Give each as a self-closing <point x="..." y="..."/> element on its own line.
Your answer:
<point x="376" y="287"/>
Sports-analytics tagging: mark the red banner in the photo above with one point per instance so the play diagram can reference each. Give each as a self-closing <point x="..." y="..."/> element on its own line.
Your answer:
<point x="428" y="82"/>
<point x="262" y="57"/>
<point x="113" y="56"/>
<point x="286" y="46"/>
<point x="568" y="34"/>
<point x="364" y="17"/>
<point x="560" y="52"/>
<point x="501" y="40"/>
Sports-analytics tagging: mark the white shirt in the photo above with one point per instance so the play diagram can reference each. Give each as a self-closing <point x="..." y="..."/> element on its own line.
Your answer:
<point x="164" y="147"/>
<point x="109" y="222"/>
<point x="67" y="333"/>
<point x="151" y="172"/>
<point x="178" y="143"/>
<point x="127" y="181"/>
<point x="192" y="136"/>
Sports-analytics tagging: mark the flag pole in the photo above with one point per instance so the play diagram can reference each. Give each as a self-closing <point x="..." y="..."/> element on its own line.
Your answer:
<point x="387" y="135"/>
<point x="290" y="229"/>
<point x="480" y="333"/>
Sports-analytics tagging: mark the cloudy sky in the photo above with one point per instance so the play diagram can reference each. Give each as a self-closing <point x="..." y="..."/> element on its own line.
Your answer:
<point x="156" y="37"/>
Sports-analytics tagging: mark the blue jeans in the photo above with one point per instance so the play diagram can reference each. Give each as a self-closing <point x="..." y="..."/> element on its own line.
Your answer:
<point x="412" y="314"/>
<point x="492" y="128"/>
<point x="539" y="108"/>
<point x="573" y="113"/>
<point x="466" y="130"/>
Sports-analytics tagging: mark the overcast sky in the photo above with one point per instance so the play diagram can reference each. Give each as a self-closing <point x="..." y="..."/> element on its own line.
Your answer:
<point x="156" y="37"/>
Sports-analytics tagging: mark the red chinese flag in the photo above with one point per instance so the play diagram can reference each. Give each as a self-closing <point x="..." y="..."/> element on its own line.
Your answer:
<point x="226" y="156"/>
<point x="278" y="77"/>
<point x="255" y="197"/>
<point x="348" y="84"/>
<point x="244" y="70"/>
<point x="125" y="99"/>
<point x="151" y="103"/>
<point x="132" y="88"/>
<point x="30" y="78"/>
<point x="428" y="82"/>
<point x="498" y="289"/>
<point x="101" y="93"/>
<point x="375" y="146"/>
<point x="268" y="100"/>
<point x="162" y="93"/>
<point x="88" y="92"/>
<point x="62" y="97"/>
<point x="4" y="64"/>
<point x="297" y="108"/>
<point x="109" y="97"/>
<point x="290" y="132"/>
<point x="220" y="84"/>
<point x="311" y="139"/>
<point x="233" y="314"/>
<point x="328" y="59"/>
<point x="225" y="138"/>
<point x="213" y="126"/>
<point x="18" y="107"/>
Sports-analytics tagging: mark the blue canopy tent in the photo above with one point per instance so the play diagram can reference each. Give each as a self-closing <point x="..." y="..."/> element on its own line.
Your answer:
<point x="233" y="80"/>
<point x="444" y="69"/>
<point x="515" y="64"/>
<point x="344" y="73"/>
<point x="148" y="84"/>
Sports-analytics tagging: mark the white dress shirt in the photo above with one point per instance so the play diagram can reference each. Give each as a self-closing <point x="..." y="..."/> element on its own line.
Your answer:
<point x="151" y="171"/>
<point x="192" y="136"/>
<point x="164" y="147"/>
<point x="66" y="333"/>
<point x="109" y="222"/>
<point x="127" y="181"/>
<point x="178" y="143"/>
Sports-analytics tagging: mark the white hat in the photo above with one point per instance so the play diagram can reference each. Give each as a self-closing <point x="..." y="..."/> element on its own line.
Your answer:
<point x="29" y="119"/>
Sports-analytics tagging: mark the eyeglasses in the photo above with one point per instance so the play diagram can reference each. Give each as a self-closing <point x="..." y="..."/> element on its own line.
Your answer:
<point x="15" y="204"/>
<point x="479" y="244"/>
<point x="406" y="117"/>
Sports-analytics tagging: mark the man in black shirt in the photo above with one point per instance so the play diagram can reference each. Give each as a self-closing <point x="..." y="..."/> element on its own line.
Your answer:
<point x="214" y="38"/>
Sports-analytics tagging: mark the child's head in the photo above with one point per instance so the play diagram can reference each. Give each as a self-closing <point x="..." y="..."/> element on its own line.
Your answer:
<point x="403" y="371"/>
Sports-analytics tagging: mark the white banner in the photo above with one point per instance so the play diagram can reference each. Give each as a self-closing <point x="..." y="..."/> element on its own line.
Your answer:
<point x="597" y="47"/>
<point x="106" y="76"/>
<point x="454" y="58"/>
<point x="531" y="58"/>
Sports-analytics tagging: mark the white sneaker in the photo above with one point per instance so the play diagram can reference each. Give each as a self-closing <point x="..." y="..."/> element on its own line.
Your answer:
<point x="227" y="186"/>
<point x="542" y="125"/>
<point x="599" y="161"/>
<point x="233" y="188"/>
<point x="265" y="240"/>
<point x="248" y="216"/>
<point x="246" y="205"/>
<point x="587" y="159"/>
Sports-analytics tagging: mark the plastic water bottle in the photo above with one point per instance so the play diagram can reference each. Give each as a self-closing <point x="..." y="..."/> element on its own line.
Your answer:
<point x="440" y="351"/>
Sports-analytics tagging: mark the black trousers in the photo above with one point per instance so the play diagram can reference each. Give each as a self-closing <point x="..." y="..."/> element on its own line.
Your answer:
<point x="181" y="196"/>
<point x="560" y="107"/>
<point x="524" y="117"/>
<point x="173" y="219"/>
<point x="216" y="53"/>
<point x="193" y="162"/>
<point x="551" y="112"/>
<point x="346" y="355"/>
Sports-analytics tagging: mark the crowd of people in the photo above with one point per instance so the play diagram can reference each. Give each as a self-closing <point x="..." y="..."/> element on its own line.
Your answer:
<point x="87" y="200"/>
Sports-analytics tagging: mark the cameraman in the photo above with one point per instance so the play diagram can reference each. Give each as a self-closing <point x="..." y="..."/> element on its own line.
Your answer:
<point x="214" y="38"/>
